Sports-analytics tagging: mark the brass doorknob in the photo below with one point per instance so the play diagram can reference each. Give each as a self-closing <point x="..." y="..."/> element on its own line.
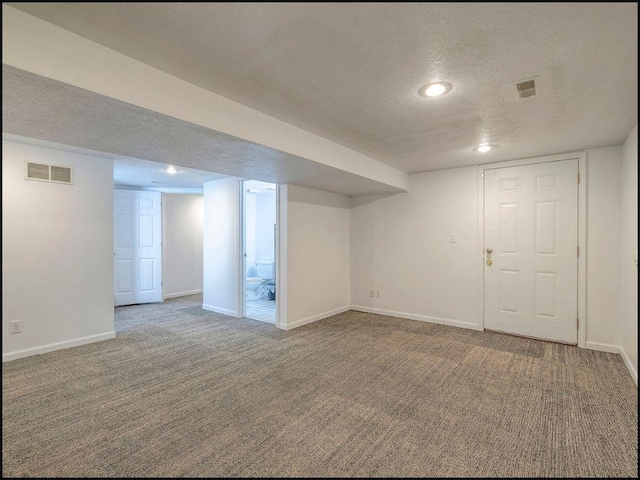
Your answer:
<point x="489" y="262"/>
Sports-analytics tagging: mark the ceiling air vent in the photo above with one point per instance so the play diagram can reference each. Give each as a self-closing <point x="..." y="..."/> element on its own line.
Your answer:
<point x="525" y="88"/>
<point x="48" y="173"/>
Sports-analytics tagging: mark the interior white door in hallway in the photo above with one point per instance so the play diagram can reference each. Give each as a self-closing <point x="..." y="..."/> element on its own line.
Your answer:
<point x="137" y="247"/>
<point x="531" y="250"/>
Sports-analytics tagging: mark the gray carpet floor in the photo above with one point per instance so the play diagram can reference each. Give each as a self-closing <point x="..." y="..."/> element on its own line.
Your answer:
<point x="185" y="392"/>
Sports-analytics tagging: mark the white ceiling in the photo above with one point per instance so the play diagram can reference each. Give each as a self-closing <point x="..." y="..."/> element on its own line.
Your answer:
<point x="134" y="172"/>
<point x="41" y="108"/>
<point x="260" y="187"/>
<point x="351" y="71"/>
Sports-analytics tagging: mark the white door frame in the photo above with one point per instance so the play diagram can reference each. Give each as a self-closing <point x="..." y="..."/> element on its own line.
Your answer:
<point x="280" y="257"/>
<point x="242" y="291"/>
<point x="582" y="232"/>
<point x="281" y="252"/>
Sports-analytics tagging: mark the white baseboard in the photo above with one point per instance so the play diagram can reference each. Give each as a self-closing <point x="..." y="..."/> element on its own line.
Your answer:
<point x="182" y="294"/>
<point x="223" y="311"/>
<point x="51" y="347"/>
<point x="603" y="347"/>
<point x="422" y="318"/>
<point x="629" y="364"/>
<point x="314" y="318"/>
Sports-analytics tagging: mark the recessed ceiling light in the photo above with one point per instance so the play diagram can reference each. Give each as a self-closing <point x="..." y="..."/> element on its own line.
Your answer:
<point x="171" y="169"/>
<point x="484" y="148"/>
<point x="435" y="89"/>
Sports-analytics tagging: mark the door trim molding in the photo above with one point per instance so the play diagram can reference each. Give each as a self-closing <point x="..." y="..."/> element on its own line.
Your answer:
<point x="242" y="267"/>
<point x="281" y="260"/>
<point x="581" y="156"/>
<point x="282" y="213"/>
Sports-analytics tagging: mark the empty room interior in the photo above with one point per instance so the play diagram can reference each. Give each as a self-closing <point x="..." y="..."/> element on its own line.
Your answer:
<point x="319" y="239"/>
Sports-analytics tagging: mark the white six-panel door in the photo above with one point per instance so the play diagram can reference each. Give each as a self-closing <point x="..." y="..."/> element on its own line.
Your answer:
<point x="530" y="250"/>
<point x="137" y="247"/>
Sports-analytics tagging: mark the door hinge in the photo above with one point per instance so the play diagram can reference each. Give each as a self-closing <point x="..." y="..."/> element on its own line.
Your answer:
<point x="578" y="249"/>
<point x="577" y="323"/>
<point x="578" y="178"/>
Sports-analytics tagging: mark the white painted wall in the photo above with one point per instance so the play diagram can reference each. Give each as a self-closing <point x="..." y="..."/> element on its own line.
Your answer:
<point x="603" y="237"/>
<point x="182" y="218"/>
<point x="221" y="246"/>
<point x="265" y="219"/>
<point x="57" y="252"/>
<point x="250" y="233"/>
<point x="260" y="213"/>
<point x="400" y="245"/>
<point x="629" y="252"/>
<point x="316" y="227"/>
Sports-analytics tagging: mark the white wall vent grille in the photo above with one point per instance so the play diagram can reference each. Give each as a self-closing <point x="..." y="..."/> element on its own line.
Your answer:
<point x="48" y="173"/>
<point x="525" y="88"/>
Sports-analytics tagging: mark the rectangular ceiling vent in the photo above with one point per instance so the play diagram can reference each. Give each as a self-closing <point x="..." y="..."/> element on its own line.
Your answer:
<point x="48" y="173"/>
<point x="525" y="88"/>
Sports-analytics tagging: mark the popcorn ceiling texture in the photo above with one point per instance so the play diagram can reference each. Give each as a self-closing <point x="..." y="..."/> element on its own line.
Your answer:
<point x="350" y="72"/>
<point x="45" y="109"/>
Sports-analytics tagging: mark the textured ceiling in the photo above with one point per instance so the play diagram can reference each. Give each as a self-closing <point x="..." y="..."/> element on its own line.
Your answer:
<point x="351" y="71"/>
<point x="38" y="107"/>
<point x="133" y="172"/>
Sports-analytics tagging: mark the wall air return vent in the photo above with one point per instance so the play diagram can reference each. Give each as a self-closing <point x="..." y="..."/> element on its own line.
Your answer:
<point x="525" y="88"/>
<point x="48" y="173"/>
<point x="37" y="171"/>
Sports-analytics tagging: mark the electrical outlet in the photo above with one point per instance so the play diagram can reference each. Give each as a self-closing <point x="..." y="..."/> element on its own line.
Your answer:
<point x="371" y="292"/>
<point x="453" y="238"/>
<point x="16" y="326"/>
<point x="377" y="293"/>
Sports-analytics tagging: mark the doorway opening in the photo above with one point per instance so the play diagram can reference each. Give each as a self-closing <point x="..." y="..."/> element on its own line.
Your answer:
<point x="259" y="250"/>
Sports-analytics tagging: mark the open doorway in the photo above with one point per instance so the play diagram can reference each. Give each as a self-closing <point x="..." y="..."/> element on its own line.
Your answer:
<point x="158" y="230"/>
<point x="259" y="250"/>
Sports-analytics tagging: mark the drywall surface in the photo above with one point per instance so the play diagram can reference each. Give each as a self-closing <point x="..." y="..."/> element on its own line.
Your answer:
<point x="221" y="246"/>
<point x="265" y="222"/>
<point x="317" y="255"/>
<point x="629" y="253"/>
<point x="182" y="244"/>
<point x="42" y="48"/>
<point x="603" y="232"/>
<point x="260" y="219"/>
<point x="400" y="246"/>
<point x="57" y="252"/>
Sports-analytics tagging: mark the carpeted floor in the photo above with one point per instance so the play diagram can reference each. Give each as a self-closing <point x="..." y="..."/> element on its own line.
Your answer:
<point x="186" y="392"/>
